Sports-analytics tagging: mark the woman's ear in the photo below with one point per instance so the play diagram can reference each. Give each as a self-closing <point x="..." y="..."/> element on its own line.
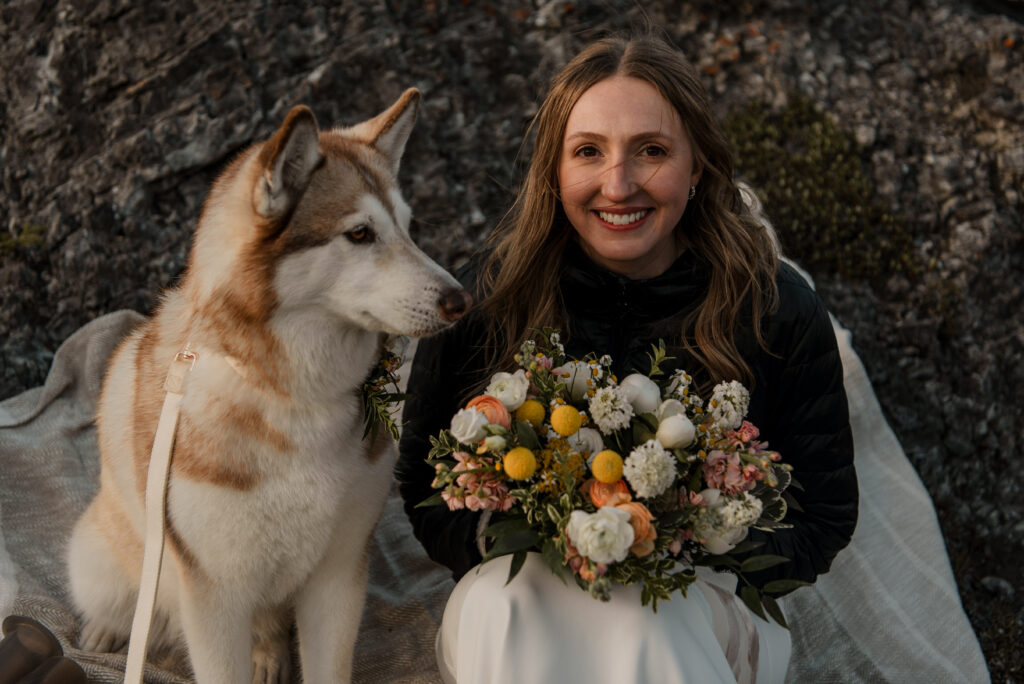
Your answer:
<point x="698" y="169"/>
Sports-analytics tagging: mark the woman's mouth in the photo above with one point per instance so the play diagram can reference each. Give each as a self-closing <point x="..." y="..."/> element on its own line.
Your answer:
<point x="621" y="219"/>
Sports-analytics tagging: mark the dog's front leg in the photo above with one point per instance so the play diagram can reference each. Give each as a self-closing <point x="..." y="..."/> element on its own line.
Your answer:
<point x="218" y="631"/>
<point x="328" y="612"/>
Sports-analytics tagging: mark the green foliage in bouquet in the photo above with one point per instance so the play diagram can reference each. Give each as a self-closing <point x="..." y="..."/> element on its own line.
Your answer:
<point x="381" y="394"/>
<point x="542" y="450"/>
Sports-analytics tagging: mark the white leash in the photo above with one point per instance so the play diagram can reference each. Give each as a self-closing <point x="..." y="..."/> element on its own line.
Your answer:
<point x="156" y="497"/>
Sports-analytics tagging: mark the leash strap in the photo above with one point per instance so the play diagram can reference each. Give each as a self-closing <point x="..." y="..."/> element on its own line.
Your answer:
<point x="156" y="498"/>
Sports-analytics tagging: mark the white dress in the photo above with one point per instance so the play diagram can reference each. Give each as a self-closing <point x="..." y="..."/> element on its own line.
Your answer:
<point x="537" y="629"/>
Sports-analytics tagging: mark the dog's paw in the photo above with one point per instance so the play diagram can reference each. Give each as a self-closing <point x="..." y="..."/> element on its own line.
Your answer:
<point x="101" y="638"/>
<point x="271" y="663"/>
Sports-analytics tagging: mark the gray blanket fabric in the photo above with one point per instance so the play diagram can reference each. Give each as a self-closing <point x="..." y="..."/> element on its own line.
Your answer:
<point x="888" y="610"/>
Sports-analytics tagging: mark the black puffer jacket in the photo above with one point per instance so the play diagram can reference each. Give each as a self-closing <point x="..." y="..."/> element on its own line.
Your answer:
<point x="797" y="400"/>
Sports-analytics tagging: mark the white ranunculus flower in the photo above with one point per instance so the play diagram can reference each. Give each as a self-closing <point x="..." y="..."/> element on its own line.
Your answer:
<point x="575" y="374"/>
<point x="670" y="407"/>
<point x="604" y="536"/>
<point x="509" y="388"/>
<point x="642" y="393"/>
<point x="676" y="431"/>
<point x="468" y="426"/>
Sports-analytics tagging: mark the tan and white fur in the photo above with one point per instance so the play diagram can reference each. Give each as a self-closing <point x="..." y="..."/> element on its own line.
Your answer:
<point x="301" y="263"/>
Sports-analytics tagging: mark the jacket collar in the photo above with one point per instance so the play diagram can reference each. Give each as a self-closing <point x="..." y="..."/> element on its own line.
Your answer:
<point x="591" y="290"/>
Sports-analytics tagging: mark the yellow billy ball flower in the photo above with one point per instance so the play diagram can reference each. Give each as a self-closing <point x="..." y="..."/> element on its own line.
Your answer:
<point x="532" y="412"/>
<point x="520" y="463"/>
<point x="607" y="467"/>
<point x="566" y="420"/>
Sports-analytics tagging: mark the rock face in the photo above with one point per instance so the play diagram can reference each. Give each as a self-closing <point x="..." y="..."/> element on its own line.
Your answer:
<point x="116" y="116"/>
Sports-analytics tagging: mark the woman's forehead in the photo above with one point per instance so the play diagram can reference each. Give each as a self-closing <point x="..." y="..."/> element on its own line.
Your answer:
<point x="622" y="105"/>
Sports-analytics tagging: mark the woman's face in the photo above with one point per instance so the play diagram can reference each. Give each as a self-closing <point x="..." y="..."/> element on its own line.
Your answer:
<point x="625" y="171"/>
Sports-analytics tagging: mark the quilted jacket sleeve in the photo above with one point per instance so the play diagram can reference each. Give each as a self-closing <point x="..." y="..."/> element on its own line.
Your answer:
<point x="801" y="400"/>
<point x="442" y="372"/>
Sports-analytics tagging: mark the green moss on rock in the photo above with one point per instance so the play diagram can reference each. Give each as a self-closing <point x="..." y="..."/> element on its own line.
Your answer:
<point x="810" y="175"/>
<point x="30" y="236"/>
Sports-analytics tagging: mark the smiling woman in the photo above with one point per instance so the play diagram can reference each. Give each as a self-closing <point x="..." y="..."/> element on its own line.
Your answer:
<point x="624" y="158"/>
<point x="629" y="228"/>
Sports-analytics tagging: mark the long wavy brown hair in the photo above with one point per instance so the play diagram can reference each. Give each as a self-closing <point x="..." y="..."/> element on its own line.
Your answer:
<point x="520" y="275"/>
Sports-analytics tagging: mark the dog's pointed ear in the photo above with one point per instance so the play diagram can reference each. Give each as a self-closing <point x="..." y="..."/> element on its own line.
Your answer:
<point x="287" y="162"/>
<point x="390" y="130"/>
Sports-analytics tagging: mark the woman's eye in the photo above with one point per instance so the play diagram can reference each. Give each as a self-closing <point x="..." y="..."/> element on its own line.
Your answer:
<point x="654" y="151"/>
<point x="361" y="234"/>
<point x="587" y="151"/>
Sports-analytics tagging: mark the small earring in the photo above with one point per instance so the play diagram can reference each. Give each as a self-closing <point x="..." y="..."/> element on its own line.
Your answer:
<point x="693" y="192"/>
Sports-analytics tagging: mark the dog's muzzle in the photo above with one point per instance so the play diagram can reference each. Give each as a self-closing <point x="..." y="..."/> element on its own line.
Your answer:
<point x="454" y="303"/>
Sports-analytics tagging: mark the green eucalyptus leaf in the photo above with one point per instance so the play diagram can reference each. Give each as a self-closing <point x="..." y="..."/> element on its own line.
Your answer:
<point x="518" y="558"/>
<point x="432" y="500"/>
<point x="527" y="436"/>
<point x="641" y="432"/>
<point x="783" y="585"/>
<point x="553" y="557"/>
<point x="751" y="597"/>
<point x="747" y="545"/>
<point x="507" y="526"/>
<point x="517" y="541"/>
<point x="650" y="420"/>
<point x="721" y="561"/>
<point x="756" y="563"/>
<point x="772" y="606"/>
<point x="672" y="519"/>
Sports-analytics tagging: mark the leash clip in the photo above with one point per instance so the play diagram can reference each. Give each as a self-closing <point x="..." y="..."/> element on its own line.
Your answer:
<point x="184" y="361"/>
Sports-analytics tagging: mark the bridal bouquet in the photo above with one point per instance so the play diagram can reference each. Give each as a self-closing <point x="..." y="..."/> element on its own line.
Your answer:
<point x="623" y="482"/>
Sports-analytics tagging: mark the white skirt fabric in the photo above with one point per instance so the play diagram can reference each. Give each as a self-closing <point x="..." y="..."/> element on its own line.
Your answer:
<point x="538" y="629"/>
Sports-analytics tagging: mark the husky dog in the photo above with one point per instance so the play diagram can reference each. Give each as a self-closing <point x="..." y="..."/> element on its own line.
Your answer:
<point x="301" y="262"/>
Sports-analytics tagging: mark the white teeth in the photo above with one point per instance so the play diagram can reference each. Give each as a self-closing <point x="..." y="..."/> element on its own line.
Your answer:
<point x="622" y="219"/>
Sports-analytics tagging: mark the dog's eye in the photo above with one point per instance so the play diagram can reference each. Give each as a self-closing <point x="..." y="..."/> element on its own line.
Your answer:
<point x="360" y="235"/>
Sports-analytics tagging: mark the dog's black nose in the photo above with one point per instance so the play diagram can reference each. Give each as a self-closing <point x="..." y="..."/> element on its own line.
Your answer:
<point x="454" y="303"/>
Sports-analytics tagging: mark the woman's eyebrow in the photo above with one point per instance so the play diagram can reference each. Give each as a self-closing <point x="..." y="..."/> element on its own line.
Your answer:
<point x="587" y="135"/>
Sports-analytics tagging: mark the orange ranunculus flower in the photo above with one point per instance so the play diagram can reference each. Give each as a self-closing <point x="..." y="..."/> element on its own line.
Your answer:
<point x="644" y="533"/>
<point x="609" y="494"/>
<point x="492" y="408"/>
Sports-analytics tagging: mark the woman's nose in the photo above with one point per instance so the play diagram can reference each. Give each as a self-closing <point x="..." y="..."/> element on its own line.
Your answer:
<point x="618" y="183"/>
